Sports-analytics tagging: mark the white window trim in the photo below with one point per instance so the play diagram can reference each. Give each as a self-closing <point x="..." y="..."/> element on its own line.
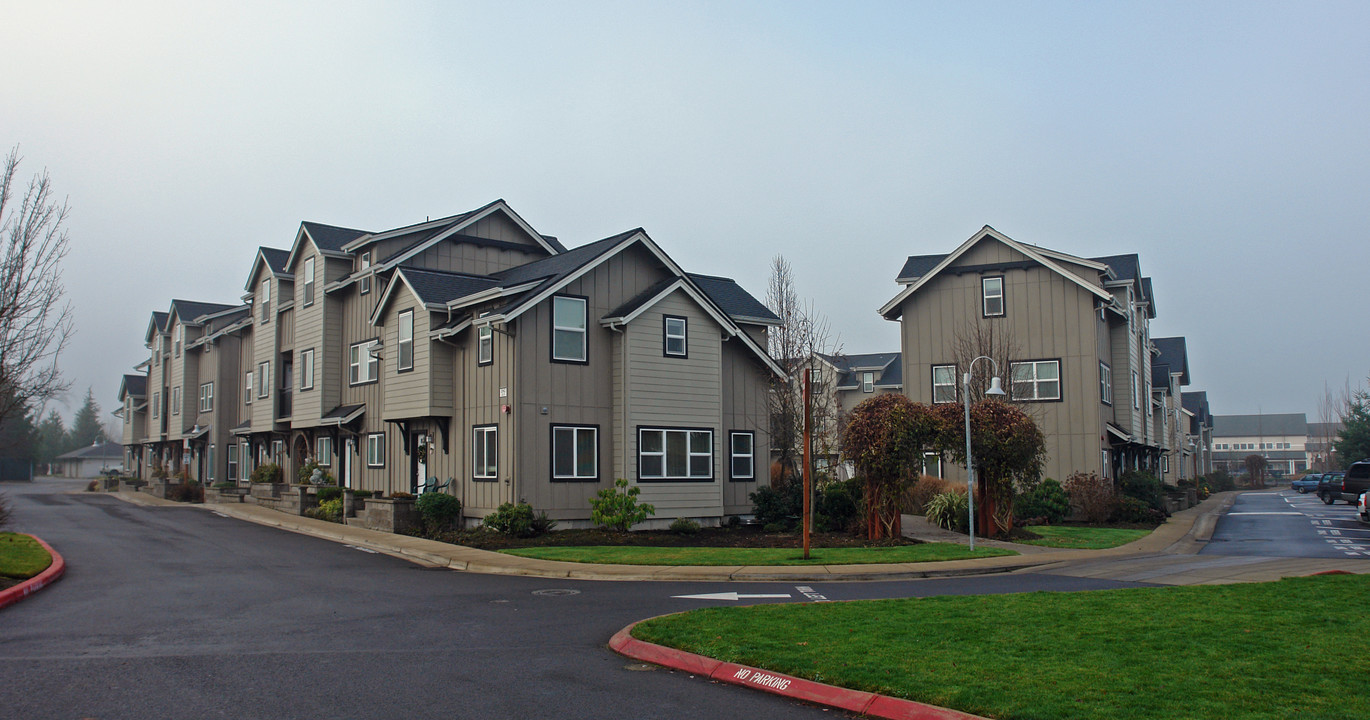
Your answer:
<point x="176" y="400"/>
<point x="575" y="452"/>
<point x="156" y="405"/>
<point x="247" y="388"/>
<point x="690" y="453"/>
<point x="375" y="450"/>
<point x="734" y="455"/>
<point x="867" y="382"/>
<point x="1036" y="380"/>
<point x="583" y="330"/>
<point x="366" y="279"/>
<point x="951" y="384"/>
<point x="483" y="437"/>
<point x="682" y="336"/>
<point x="406" y="320"/>
<point x="266" y="301"/>
<point x="1136" y="396"/>
<point x="1105" y="383"/>
<point x="308" y="293"/>
<point x="485" y="345"/>
<point x="937" y="459"/>
<point x="307" y="369"/>
<point x="360" y="358"/>
<point x="323" y="451"/>
<point x="264" y="379"/>
<point x="207" y="397"/>
<point x="985" y="297"/>
<point x="232" y="461"/>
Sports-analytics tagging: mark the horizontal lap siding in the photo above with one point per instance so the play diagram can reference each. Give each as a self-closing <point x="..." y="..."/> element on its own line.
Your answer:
<point x="407" y="394"/>
<point x="309" y="325"/>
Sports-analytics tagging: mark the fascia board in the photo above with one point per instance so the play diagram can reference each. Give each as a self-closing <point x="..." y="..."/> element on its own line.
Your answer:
<point x="475" y="217"/>
<point x="749" y="320"/>
<point x="625" y="319"/>
<point x="492" y="294"/>
<point x="395" y="279"/>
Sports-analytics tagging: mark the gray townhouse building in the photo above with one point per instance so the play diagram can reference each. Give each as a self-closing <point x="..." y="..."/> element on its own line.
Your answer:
<point x="1072" y="339"/>
<point x="469" y="349"/>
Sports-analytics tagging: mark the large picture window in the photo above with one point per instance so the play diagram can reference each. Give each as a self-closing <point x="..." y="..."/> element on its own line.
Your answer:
<point x="742" y="455"/>
<point x="485" y="452"/>
<point x="361" y="367"/>
<point x="575" y="452"/>
<point x="568" y="329"/>
<point x="1037" y="380"/>
<point x="405" y="343"/>
<point x="992" y="296"/>
<point x="666" y="454"/>
<point x="943" y="384"/>
<point x="675" y="343"/>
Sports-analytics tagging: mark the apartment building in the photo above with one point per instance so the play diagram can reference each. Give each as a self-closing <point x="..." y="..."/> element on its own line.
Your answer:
<point x="1280" y="438"/>
<point x="1169" y="375"/>
<point x="1070" y="337"/>
<point x="475" y="350"/>
<point x="1199" y="433"/>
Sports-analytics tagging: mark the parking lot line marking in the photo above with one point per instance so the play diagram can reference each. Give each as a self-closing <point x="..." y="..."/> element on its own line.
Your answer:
<point x="1276" y="512"/>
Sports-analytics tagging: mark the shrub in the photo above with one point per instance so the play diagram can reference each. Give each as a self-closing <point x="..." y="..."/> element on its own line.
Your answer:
<point x="1046" y="503"/>
<point x="399" y="495"/>
<point x="438" y="510"/>
<point x="330" y="510"/>
<point x="512" y="520"/>
<point x="4" y="510"/>
<point x="189" y="492"/>
<point x="950" y="510"/>
<point x="1093" y="495"/>
<point x="267" y="473"/>
<point x="839" y="506"/>
<point x="542" y="524"/>
<point x="617" y="508"/>
<point x="225" y="485"/>
<point x="776" y="527"/>
<point x="362" y="494"/>
<point x="306" y="474"/>
<point x="329" y="493"/>
<point x="924" y="490"/>
<point x="782" y="504"/>
<point x="1220" y="481"/>
<point x="684" y="526"/>
<point x="92" y="486"/>
<point x="733" y="521"/>
<point x="1144" y="486"/>
<point x="1136" y="511"/>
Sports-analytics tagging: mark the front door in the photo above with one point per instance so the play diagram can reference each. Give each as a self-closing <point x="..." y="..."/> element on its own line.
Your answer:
<point x="349" y="448"/>
<point x="418" y="460"/>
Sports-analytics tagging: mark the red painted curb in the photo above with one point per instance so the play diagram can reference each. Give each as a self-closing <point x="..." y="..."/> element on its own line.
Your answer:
<point x="37" y="582"/>
<point x="857" y="701"/>
<point x="1332" y="572"/>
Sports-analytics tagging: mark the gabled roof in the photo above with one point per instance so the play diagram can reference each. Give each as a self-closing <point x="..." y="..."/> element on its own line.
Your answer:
<point x="433" y="288"/>
<point x="739" y="304"/>
<point x="192" y="312"/>
<point x="843" y="362"/>
<point x="101" y="451"/>
<point x="917" y="266"/>
<point x="1150" y="298"/>
<point x="1128" y="268"/>
<point x="1197" y="403"/>
<point x="447" y="227"/>
<point x="134" y="386"/>
<point x="892" y="310"/>
<point x="1256" y="425"/>
<point x="329" y="239"/>
<point x="1174" y="354"/>
<point x="157" y="325"/>
<point x="274" y="260"/>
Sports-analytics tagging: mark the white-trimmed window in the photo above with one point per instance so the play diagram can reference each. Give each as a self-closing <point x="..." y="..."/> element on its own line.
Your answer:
<point x="323" y="452"/>
<point x="375" y="450"/>
<point x="568" y="329"/>
<point x="263" y="379"/>
<point x="675" y="454"/>
<point x="309" y="281"/>
<point x="1105" y="383"/>
<point x="742" y="455"/>
<point x="992" y="296"/>
<point x="932" y="464"/>
<point x="485" y="452"/>
<point x="1136" y="396"/>
<point x="485" y="345"/>
<point x="575" y="452"/>
<point x="209" y="466"/>
<point x="362" y="363"/>
<point x="1037" y="380"/>
<point x="1104" y="472"/>
<point x="266" y="300"/>
<point x="180" y="339"/>
<point x="277" y="451"/>
<point x="674" y="329"/>
<point x="366" y="279"/>
<point x="943" y="384"/>
<point x="156" y="405"/>
<point x="307" y="369"/>
<point x="232" y="461"/>
<point x="404" y="345"/>
<point x="207" y="397"/>
<point x="247" y="388"/>
<point x="867" y="382"/>
<point x="176" y="400"/>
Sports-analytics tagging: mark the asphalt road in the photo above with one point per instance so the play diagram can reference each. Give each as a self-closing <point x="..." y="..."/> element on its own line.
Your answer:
<point x="179" y="613"/>
<point x="1287" y="524"/>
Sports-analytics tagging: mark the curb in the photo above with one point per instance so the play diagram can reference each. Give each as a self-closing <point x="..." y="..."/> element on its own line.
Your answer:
<point x="857" y="701"/>
<point x="52" y="574"/>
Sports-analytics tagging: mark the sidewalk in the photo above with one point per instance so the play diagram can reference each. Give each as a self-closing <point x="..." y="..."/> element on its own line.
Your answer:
<point x="1166" y="556"/>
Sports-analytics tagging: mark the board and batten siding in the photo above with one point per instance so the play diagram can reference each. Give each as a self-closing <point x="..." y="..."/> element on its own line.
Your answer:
<point x="408" y="392"/>
<point x="357" y="327"/>
<point x="307" y="406"/>
<point x="480" y="403"/>
<point x="1047" y="317"/>
<point x="746" y="408"/>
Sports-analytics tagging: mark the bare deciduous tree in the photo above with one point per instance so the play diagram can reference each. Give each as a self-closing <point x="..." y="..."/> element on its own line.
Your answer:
<point x="1332" y="409"/>
<point x="35" y="318"/>
<point x="802" y="333"/>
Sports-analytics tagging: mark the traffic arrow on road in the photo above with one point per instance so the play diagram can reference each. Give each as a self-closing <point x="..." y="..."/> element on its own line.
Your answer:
<point x="728" y="596"/>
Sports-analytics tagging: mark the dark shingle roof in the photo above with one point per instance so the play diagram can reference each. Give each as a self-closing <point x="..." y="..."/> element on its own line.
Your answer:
<point x="1150" y="298"/>
<point x="1255" y="425"/>
<point x="641" y="298"/>
<point x="1174" y="354"/>
<point x="1197" y="404"/>
<point x="551" y="270"/>
<point x="331" y="237"/>
<point x="160" y="318"/>
<point x="188" y="310"/>
<point x="135" y="385"/>
<point x="101" y="451"/>
<point x="438" y="287"/>
<point x="1160" y="375"/>
<point x="732" y="299"/>
<point x="1125" y="267"/>
<point x="275" y="258"/>
<point x="868" y="361"/>
<point x="919" y="265"/>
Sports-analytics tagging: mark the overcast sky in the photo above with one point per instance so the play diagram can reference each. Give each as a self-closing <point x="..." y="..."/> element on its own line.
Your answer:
<point x="1226" y="144"/>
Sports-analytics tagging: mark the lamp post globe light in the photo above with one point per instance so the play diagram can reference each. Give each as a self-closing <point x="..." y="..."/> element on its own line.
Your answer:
<point x="994" y="389"/>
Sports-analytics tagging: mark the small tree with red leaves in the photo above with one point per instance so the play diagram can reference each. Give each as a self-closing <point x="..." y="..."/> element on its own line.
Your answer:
<point x="1008" y="447"/>
<point x="885" y="439"/>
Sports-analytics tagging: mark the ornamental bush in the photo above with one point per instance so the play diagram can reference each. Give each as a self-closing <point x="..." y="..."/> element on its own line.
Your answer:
<point x="1093" y="495"/>
<point x="329" y="493"/>
<point x="1046" y="503"/>
<point x="949" y="510"/>
<point x="782" y="504"/>
<point x="1134" y="511"/>
<point x="617" y="508"/>
<point x="306" y="474"/>
<point x="438" y="510"/>
<point x="267" y="473"/>
<point x="511" y="519"/>
<point x="684" y="526"/>
<point x="1144" y="486"/>
<point x="330" y="510"/>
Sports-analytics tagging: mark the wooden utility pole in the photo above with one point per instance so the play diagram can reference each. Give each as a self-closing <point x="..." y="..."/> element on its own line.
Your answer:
<point x="808" y="464"/>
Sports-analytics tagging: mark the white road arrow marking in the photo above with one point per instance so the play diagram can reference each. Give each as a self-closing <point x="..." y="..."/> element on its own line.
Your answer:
<point x="728" y="596"/>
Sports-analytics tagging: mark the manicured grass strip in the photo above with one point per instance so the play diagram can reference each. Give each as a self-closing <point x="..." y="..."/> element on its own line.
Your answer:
<point x="1083" y="538"/>
<point x="21" y="557"/>
<point x="640" y="555"/>
<point x="1229" y="652"/>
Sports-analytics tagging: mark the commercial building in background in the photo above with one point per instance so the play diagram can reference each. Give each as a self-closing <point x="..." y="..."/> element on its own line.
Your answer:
<point x="1282" y="439"/>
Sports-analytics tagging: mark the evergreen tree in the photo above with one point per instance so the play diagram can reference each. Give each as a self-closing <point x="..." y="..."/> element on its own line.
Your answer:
<point x="86" y="428"/>
<point x="1353" y="443"/>
<point x="17" y="435"/>
<point x="52" y="439"/>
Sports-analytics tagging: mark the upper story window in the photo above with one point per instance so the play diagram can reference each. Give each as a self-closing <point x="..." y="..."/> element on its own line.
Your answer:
<point x="568" y="329"/>
<point x="404" y="350"/>
<point x="1105" y="383"/>
<point x="675" y="339"/>
<point x="943" y="384"/>
<point x="1136" y="396"/>
<point x="361" y="363"/>
<point x="366" y="279"/>
<point x="176" y="400"/>
<point x="308" y="281"/>
<point x="266" y="300"/>
<point x="247" y="388"/>
<point x="1037" y="380"/>
<point x="263" y="379"/>
<point x="867" y="382"/>
<point x="180" y="339"/>
<point x="207" y="397"/>
<point x="485" y="345"/>
<point x="992" y="296"/>
<point x="307" y="369"/>
<point x="156" y="405"/>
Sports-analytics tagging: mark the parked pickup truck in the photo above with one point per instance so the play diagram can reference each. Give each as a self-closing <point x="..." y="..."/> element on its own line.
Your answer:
<point x="1348" y="487"/>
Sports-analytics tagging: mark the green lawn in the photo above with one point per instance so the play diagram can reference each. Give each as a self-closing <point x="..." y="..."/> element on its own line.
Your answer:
<point x="1079" y="537"/>
<point x="21" y="557"/>
<point x="642" y="555"/>
<point x="1229" y="652"/>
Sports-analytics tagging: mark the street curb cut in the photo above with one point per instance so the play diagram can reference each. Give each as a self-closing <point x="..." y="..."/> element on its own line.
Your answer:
<point x="856" y="701"/>
<point x="55" y="571"/>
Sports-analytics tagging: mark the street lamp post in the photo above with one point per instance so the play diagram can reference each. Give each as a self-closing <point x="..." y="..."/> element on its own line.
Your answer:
<point x="994" y="389"/>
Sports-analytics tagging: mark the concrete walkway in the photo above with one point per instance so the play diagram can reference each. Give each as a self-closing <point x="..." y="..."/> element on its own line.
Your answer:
<point x="1166" y="556"/>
